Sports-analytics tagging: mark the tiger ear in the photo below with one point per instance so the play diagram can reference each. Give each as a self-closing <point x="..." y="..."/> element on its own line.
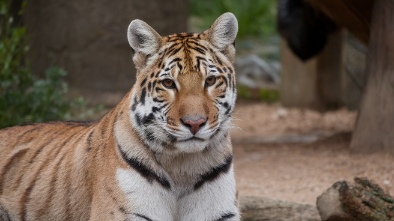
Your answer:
<point x="223" y="32"/>
<point x="144" y="41"/>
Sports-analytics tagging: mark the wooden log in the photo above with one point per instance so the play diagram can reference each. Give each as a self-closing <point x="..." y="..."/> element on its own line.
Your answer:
<point x="361" y="201"/>
<point x="263" y="209"/>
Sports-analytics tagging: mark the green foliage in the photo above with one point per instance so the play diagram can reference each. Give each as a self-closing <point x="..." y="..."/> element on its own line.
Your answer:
<point x="268" y="95"/>
<point x="255" y="17"/>
<point x="264" y="95"/>
<point x="24" y="98"/>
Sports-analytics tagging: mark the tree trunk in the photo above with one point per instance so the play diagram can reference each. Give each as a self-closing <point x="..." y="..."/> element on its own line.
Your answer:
<point x="375" y="124"/>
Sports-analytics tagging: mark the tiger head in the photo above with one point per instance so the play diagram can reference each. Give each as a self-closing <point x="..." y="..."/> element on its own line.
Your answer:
<point x="185" y="89"/>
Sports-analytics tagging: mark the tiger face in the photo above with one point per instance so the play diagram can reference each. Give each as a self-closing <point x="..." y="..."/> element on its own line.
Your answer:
<point x="185" y="89"/>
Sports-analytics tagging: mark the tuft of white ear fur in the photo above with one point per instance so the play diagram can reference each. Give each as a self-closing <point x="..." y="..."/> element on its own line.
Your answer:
<point x="223" y="31"/>
<point x="143" y="38"/>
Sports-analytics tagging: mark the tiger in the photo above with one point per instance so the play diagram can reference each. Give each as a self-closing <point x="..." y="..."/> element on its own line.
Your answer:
<point x="163" y="153"/>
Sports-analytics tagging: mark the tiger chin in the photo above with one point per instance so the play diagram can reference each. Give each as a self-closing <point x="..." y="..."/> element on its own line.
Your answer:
<point x="162" y="154"/>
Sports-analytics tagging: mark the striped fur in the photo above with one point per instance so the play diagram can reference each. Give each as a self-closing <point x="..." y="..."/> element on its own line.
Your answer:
<point x="163" y="153"/>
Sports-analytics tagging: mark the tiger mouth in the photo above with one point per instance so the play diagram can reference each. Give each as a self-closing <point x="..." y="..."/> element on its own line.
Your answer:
<point x="194" y="138"/>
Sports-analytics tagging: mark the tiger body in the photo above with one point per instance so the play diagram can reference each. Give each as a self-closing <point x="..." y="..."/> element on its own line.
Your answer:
<point x="163" y="153"/>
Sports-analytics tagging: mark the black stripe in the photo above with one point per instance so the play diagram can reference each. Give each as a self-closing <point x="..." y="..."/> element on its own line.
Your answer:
<point x="156" y="109"/>
<point x="220" y="84"/>
<point x="158" y="89"/>
<point x="134" y="106"/>
<point x="137" y="118"/>
<point x="199" y="59"/>
<point x="143" y="216"/>
<point x="143" y="82"/>
<point x="218" y="60"/>
<point x="175" y="51"/>
<point x="225" y="80"/>
<point x="4" y="215"/>
<point x="214" y="173"/>
<point x="142" y="98"/>
<point x="200" y="50"/>
<point x="230" y="79"/>
<point x="155" y="99"/>
<point x="16" y="157"/>
<point x="143" y="170"/>
<point x="25" y="200"/>
<point x="149" y="135"/>
<point x="175" y="60"/>
<point x="89" y="141"/>
<point x="148" y="119"/>
<point x="179" y="66"/>
<point x="225" y="104"/>
<point x="225" y="216"/>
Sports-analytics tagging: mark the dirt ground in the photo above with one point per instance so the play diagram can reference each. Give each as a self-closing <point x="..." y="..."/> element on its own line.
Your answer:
<point x="295" y="154"/>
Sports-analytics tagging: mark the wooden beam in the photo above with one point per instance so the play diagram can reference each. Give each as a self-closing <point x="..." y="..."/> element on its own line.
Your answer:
<point x="353" y="15"/>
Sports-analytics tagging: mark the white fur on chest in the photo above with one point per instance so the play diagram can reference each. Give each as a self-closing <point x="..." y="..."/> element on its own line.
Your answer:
<point x="208" y="203"/>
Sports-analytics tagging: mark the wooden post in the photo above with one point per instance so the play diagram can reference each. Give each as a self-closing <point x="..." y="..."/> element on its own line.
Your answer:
<point x="317" y="83"/>
<point x="375" y="125"/>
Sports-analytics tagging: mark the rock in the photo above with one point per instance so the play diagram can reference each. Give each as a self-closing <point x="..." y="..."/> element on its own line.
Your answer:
<point x="265" y="209"/>
<point x="254" y="72"/>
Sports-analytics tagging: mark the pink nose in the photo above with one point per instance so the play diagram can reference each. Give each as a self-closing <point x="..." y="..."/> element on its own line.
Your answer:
<point x="194" y="123"/>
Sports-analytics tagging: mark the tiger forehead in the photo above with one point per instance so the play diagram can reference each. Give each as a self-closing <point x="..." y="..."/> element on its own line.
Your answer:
<point x="182" y="37"/>
<point x="189" y="52"/>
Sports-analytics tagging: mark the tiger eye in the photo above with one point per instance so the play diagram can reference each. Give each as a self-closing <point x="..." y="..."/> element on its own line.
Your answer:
<point x="211" y="80"/>
<point x="168" y="83"/>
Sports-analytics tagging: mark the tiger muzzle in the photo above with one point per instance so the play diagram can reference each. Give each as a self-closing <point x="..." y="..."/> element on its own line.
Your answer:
<point x="194" y="123"/>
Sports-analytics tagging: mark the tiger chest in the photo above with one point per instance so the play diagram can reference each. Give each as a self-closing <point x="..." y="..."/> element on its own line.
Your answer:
<point x="150" y="200"/>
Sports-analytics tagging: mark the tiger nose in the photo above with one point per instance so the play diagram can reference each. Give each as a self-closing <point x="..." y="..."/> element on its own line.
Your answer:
<point x="194" y="123"/>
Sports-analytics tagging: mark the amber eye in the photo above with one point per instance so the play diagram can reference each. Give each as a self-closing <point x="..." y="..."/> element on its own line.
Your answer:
<point x="211" y="80"/>
<point x="168" y="83"/>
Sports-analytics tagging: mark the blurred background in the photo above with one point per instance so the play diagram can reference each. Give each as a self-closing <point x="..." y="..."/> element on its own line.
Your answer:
<point x="58" y="56"/>
<point x="302" y="68"/>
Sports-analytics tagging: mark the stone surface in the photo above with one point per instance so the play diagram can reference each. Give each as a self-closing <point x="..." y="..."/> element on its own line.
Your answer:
<point x="254" y="72"/>
<point x="88" y="39"/>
